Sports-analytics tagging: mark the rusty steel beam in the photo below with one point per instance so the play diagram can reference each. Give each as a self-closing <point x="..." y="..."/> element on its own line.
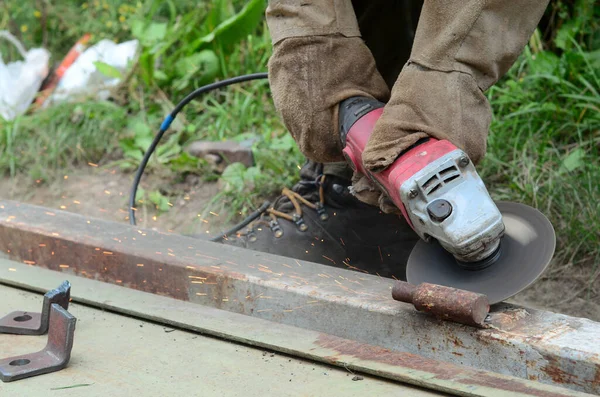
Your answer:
<point x="530" y="344"/>
<point x="356" y="357"/>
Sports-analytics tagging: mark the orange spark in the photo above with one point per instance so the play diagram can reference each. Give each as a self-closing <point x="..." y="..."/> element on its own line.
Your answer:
<point x="50" y="213"/>
<point x="206" y="256"/>
<point x="92" y="165"/>
<point x="29" y="262"/>
<point x="140" y="265"/>
<point x="64" y="266"/>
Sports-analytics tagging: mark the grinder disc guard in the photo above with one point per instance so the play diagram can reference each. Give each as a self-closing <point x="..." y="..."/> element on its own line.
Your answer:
<point x="525" y="251"/>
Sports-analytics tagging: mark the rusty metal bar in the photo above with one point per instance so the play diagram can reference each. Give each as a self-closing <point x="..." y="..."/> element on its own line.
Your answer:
<point x="54" y="357"/>
<point x="463" y="307"/>
<point x="530" y="344"/>
<point x="28" y="323"/>
<point x="316" y="346"/>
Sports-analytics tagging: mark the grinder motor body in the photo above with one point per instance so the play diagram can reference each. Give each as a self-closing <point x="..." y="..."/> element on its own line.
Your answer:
<point x="435" y="186"/>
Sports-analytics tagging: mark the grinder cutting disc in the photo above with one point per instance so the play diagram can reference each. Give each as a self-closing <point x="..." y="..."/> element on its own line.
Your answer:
<point x="525" y="251"/>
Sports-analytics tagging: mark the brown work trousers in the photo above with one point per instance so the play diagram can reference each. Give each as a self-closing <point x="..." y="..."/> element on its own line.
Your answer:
<point x="430" y="61"/>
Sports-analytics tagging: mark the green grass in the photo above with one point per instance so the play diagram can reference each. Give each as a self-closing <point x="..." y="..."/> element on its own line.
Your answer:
<point x="46" y="142"/>
<point x="184" y="45"/>
<point x="543" y="147"/>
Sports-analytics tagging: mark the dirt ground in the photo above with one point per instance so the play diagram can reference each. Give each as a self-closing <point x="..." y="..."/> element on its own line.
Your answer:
<point x="103" y="194"/>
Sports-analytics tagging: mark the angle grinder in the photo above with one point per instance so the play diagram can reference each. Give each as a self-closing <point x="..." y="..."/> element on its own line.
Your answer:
<point x="468" y="241"/>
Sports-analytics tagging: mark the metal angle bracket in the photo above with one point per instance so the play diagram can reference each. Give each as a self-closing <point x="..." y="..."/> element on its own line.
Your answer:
<point x="28" y="323"/>
<point x="54" y="357"/>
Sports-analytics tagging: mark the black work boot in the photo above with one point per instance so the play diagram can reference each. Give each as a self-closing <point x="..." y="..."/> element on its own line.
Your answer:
<point x="318" y="220"/>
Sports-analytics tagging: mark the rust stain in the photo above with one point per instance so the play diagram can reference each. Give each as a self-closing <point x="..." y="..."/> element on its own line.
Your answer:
<point x="510" y="385"/>
<point x="440" y="370"/>
<point x="457" y="342"/>
<point x="596" y="380"/>
<point x="379" y="354"/>
<point x="552" y="369"/>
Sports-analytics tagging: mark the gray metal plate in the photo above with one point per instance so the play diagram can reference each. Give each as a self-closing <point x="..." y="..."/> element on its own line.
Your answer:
<point x="526" y="251"/>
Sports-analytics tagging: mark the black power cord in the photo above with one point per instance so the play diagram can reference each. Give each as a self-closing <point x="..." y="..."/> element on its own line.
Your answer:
<point x="165" y="126"/>
<point x="265" y="206"/>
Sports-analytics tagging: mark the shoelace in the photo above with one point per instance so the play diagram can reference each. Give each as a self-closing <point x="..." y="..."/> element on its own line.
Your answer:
<point x="296" y="199"/>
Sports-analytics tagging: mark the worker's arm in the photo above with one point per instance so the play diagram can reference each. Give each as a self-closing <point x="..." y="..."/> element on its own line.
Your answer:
<point x="461" y="48"/>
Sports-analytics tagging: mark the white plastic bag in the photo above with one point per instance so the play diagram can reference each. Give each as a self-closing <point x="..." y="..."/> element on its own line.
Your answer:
<point x="20" y="81"/>
<point x="83" y="77"/>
